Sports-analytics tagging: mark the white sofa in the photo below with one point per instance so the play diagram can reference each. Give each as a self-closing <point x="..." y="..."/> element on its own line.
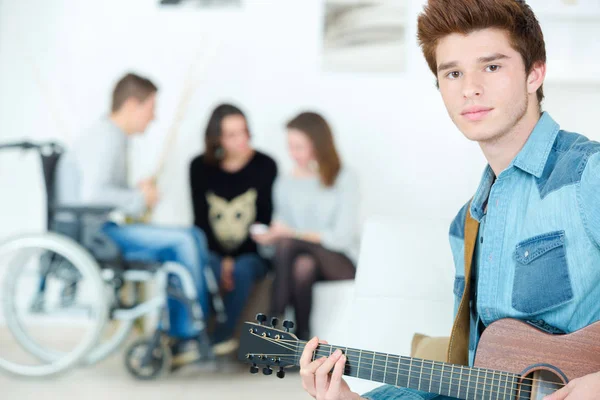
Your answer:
<point x="403" y="285"/>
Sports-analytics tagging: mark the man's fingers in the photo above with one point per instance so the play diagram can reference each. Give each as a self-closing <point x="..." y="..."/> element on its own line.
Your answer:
<point x="336" y="376"/>
<point x="559" y="395"/>
<point x="307" y="354"/>
<point x="322" y="373"/>
<point x="308" y="376"/>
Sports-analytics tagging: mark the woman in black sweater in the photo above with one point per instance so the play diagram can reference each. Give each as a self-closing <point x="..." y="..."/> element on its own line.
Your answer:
<point x="231" y="187"/>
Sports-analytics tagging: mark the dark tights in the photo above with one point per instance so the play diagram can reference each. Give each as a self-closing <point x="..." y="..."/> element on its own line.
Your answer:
<point x="298" y="265"/>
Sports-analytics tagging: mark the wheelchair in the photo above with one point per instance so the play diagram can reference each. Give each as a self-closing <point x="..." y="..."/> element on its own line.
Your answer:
<point x="76" y="275"/>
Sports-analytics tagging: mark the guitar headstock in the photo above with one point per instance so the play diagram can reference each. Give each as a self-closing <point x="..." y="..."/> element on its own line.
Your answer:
<point x="268" y="346"/>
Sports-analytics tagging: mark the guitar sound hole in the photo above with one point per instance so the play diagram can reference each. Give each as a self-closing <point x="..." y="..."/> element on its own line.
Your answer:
<point x="539" y="384"/>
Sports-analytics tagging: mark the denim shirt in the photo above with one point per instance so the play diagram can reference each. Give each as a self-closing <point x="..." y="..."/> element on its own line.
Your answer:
<point x="537" y="255"/>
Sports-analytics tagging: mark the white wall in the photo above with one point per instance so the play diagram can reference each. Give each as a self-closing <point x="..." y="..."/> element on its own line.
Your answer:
<point x="392" y="129"/>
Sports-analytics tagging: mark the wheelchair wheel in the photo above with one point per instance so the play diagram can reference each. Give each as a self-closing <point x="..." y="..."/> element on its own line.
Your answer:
<point x="44" y="278"/>
<point x="159" y="362"/>
<point x="114" y="334"/>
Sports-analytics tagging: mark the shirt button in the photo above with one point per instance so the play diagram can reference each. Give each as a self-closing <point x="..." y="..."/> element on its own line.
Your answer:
<point x="526" y="253"/>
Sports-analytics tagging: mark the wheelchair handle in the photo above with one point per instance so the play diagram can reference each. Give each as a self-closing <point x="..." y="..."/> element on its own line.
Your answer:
<point x="27" y="145"/>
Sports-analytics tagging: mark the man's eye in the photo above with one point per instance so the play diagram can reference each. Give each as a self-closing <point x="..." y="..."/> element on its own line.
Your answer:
<point x="453" y="75"/>
<point x="492" y="68"/>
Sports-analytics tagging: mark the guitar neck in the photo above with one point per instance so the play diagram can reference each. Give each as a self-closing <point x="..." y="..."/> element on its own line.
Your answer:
<point x="429" y="376"/>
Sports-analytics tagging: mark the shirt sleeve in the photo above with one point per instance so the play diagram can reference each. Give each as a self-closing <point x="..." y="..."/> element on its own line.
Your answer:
<point x="198" y="193"/>
<point x="99" y="169"/>
<point x="279" y="206"/>
<point x="264" y="201"/>
<point x="340" y="236"/>
<point x="589" y="195"/>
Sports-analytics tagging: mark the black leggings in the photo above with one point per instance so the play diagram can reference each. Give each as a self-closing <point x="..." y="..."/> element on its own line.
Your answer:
<point x="298" y="265"/>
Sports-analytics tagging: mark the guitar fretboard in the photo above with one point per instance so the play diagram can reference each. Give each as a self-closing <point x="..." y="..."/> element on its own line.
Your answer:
<point x="428" y="376"/>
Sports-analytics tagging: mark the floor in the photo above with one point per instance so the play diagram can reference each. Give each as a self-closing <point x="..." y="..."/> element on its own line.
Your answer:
<point x="109" y="380"/>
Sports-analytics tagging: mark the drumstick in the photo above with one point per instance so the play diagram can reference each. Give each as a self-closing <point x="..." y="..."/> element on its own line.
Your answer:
<point x="190" y="87"/>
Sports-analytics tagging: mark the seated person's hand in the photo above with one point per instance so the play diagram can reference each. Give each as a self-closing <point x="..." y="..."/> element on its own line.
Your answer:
<point x="227" y="267"/>
<point x="261" y="234"/>
<point x="150" y="192"/>
<point x="317" y="378"/>
<point x="276" y="231"/>
<point x="281" y="230"/>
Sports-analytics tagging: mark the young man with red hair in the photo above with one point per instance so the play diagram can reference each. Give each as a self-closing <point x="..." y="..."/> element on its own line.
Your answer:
<point x="537" y="254"/>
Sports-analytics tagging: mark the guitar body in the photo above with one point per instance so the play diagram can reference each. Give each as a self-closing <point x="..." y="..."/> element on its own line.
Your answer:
<point x="514" y="346"/>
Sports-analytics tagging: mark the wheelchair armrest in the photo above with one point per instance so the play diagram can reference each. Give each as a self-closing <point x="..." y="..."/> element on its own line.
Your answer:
<point x="84" y="210"/>
<point x="84" y="225"/>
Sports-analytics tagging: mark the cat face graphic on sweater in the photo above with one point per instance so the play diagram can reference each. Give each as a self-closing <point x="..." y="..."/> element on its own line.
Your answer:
<point x="231" y="220"/>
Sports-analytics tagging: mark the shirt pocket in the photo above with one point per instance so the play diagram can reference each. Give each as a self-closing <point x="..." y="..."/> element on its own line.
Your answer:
<point x="542" y="277"/>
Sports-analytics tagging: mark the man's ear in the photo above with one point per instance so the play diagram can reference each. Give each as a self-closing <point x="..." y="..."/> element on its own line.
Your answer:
<point x="536" y="77"/>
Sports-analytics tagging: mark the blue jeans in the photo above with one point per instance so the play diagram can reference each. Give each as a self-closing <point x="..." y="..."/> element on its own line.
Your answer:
<point x="248" y="269"/>
<point x="387" y="392"/>
<point x="185" y="246"/>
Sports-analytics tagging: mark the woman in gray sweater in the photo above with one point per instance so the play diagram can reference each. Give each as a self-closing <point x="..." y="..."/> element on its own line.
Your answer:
<point x="315" y="226"/>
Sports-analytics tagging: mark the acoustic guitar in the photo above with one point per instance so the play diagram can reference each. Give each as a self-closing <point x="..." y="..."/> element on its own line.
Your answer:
<point x="514" y="360"/>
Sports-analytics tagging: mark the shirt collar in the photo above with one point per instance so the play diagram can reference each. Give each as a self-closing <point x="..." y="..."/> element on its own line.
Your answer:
<point x="532" y="159"/>
<point x="533" y="156"/>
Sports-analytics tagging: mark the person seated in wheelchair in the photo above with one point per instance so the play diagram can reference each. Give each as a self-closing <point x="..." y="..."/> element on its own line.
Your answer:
<point x="94" y="172"/>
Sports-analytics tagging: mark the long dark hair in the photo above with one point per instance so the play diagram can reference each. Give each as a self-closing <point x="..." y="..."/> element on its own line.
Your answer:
<point x="318" y="131"/>
<point x="212" y="135"/>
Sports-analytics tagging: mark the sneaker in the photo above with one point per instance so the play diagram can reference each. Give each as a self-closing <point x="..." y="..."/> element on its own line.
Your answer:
<point x="185" y="352"/>
<point x="225" y="347"/>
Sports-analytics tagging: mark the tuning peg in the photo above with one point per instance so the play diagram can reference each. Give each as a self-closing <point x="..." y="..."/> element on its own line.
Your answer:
<point x="281" y="373"/>
<point x="254" y="369"/>
<point x="288" y="325"/>
<point x="274" y="322"/>
<point x="261" y="318"/>
<point x="267" y="371"/>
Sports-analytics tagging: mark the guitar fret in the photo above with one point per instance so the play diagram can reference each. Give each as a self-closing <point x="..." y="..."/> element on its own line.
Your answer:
<point x="477" y="382"/>
<point x="468" y="381"/>
<point x="492" y="385"/>
<point x="420" y="374"/>
<point x="468" y="384"/>
<point x="499" y="386"/>
<point x="451" y="378"/>
<point x="495" y="386"/>
<point x="441" y="378"/>
<point x="358" y="368"/>
<point x="386" y="364"/>
<point x="409" y="372"/>
<point x="431" y="378"/>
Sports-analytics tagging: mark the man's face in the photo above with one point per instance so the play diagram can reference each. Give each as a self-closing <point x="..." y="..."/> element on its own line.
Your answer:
<point x="483" y="83"/>
<point x="143" y="113"/>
